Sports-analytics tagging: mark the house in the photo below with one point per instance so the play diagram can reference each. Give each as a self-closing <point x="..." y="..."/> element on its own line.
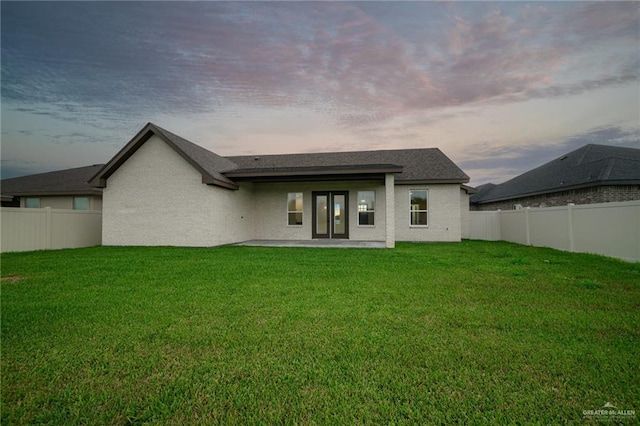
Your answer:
<point x="591" y="174"/>
<point x="161" y="189"/>
<point x="62" y="189"/>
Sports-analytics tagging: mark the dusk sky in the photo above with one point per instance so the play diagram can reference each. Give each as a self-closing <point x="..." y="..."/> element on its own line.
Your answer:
<point x="500" y="87"/>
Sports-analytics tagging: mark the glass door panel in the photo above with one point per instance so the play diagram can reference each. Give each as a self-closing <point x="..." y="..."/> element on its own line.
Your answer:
<point x="322" y="219"/>
<point x="339" y="215"/>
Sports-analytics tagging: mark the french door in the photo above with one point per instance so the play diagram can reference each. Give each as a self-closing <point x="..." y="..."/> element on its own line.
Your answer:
<point x="330" y="214"/>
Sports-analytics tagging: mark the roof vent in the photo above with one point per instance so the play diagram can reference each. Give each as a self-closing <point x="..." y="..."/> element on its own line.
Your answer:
<point x="256" y="158"/>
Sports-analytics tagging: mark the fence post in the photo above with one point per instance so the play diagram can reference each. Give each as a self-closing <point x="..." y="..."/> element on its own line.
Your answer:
<point x="526" y="223"/>
<point x="48" y="231"/>
<point x="570" y="225"/>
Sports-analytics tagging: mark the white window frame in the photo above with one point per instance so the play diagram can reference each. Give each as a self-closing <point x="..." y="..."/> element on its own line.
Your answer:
<point x="367" y="210"/>
<point x="295" y="211"/>
<point x="412" y="211"/>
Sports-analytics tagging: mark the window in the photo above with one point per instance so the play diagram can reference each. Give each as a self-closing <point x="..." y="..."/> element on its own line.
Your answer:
<point x="81" y="203"/>
<point x="294" y="208"/>
<point x="32" y="203"/>
<point x="366" y="208"/>
<point x="418" y="207"/>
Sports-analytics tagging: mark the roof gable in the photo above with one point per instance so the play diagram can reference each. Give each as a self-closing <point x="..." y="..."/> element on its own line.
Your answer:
<point x="206" y="162"/>
<point x="591" y="165"/>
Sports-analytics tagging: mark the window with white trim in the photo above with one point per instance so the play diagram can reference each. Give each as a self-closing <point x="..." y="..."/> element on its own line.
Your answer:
<point x="294" y="209"/>
<point x="419" y="210"/>
<point x="32" y="203"/>
<point x="366" y="208"/>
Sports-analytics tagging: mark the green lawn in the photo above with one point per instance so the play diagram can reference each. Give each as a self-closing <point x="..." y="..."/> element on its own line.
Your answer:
<point x="476" y="332"/>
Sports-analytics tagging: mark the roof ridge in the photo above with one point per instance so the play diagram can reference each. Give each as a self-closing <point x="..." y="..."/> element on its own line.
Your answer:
<point x="332" y="152"/>
<point x="606" y="171"/>
<point x="586" y="148"/>
<point x="612" y="151"/>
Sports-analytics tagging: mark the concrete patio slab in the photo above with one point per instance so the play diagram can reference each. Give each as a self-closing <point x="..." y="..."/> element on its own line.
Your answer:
<point x="314" y="243"/>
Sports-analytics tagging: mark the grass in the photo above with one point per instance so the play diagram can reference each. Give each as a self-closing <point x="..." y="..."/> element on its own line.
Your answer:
<point x="477" y="332"/>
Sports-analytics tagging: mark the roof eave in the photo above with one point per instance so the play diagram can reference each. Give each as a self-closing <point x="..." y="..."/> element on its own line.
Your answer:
<point x="469" y="189"/>
<point x="210" y="180"/>
<point x="40" y="193"/>
<point x="430" y="181"/>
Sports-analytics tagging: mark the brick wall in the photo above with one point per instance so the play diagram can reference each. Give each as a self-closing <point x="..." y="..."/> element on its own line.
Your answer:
<point x="598" y="194"/>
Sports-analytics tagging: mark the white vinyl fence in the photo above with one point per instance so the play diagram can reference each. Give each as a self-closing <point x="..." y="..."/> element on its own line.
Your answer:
<point x="40" y="229"/>
<point x="610" y="229"/>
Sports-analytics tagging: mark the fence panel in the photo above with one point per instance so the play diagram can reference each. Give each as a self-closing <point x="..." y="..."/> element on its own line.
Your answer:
<point x="610" y="229"/>
<point x="485" y="226"/>
<point x="40" y="229"/>
<point x="513" y="226"/>
<point x="549" y="227"/>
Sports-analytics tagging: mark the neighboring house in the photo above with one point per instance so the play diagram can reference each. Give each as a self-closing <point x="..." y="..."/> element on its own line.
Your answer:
<point x="161" y="189"/>
<point x="62" y="189"/>
<point x="591" y="174"/>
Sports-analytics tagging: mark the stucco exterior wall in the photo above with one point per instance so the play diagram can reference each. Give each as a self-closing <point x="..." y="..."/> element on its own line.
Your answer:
<point x="271" y="209"/>
<point x="444" y="219"/>
<point x="157" y="198"/>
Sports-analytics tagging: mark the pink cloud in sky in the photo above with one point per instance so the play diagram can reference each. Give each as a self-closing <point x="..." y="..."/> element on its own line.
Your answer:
<point x="358" y="74"/>
<point x="345" y="62"/>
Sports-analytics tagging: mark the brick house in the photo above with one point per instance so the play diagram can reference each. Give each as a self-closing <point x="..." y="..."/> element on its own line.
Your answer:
<point x="588" y="175"/>
<point x="161" y="189"/>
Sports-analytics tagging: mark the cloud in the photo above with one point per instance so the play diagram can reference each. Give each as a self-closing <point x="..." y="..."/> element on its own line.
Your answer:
<point x="361" y="65"/>
<point x="600" y="22"/>
<point x="530" y="54"/>
<point x="75" y="138"/>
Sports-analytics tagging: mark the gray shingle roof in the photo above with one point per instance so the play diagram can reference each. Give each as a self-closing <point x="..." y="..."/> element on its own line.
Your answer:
<point x="61" y="182"/>
<point x="427" y="165"/>
<point x="418" y="165"/>
<point x="482" y="190"/>
<point x="591" y="165"/>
